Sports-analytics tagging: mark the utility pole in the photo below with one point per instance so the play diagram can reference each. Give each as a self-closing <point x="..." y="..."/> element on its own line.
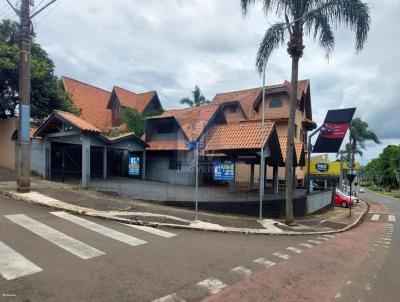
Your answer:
<point x="23" y="154"/>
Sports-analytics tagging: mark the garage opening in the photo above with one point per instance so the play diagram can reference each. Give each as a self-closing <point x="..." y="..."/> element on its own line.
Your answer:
<point x="66" y="162"/>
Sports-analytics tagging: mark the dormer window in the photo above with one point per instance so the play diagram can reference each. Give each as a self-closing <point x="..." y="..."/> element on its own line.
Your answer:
<point x="233" y="108"/>
<point x="275" y="102"/>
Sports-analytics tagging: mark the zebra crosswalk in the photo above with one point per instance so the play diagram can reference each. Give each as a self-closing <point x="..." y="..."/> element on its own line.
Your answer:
<point x="15" y="264"/>
<point x="383" y="218"/>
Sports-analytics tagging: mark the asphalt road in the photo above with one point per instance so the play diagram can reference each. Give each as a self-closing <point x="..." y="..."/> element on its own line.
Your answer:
<point x="47" y="256"/>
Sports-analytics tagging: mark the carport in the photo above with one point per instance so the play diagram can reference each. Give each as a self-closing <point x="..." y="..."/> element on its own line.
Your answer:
<point x="75" y="150"/>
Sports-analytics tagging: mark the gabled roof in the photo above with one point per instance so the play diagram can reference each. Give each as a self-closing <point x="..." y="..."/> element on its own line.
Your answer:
<point x="193" y="120"/>
<point x="123" y="137"/>
<point x="240" y="136"/>
<point x="91" y="100"/>
<point x="246" y="98"/>
<point x="298" y="150"/>
<point x="129" y="99"/>
<point x="76" y="121"/>
<point x="68" y="118"/>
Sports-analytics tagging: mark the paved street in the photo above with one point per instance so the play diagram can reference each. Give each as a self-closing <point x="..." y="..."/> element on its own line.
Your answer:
<point x="49" y="255"/>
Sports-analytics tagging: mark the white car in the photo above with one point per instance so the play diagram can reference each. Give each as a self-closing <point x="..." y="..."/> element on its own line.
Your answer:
<point x="361" y="190"/>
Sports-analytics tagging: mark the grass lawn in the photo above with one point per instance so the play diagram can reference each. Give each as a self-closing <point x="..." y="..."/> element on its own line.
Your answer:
<point x="393" y="194"/>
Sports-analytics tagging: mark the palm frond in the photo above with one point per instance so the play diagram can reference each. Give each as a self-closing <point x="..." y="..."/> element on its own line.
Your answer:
<point x="278" y="6"/>
<point x="320" y="28"/>
<point x="353" y="13"/>
<point x="187" y="101"/>
<point x="273" y="38"/>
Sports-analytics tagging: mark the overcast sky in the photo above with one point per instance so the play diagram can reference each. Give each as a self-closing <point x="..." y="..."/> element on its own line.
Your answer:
<point x="171" y="46"/>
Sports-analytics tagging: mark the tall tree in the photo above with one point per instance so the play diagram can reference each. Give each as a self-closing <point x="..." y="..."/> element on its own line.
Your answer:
<point x="46" y="91"/>
<point x="136" y="121"/>
<point x="360" y="134"/>
<point x="198" y="99"/>
<point x="311" y="17"/>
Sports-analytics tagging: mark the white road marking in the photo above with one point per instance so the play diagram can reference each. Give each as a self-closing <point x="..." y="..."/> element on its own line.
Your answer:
<point x="170" y="298"/>
<point x="61" y="240"/>
<point x="385" y="238"/>
<point x="212" y="285"/>
<point x="105" y="231"/>
<point x="384" y="242"/>
<point x="375" y="217"/>
<point x="281" y="255"/>
<point x="392" y="218"/>
<point x="295" y="250"/>
<point x="329" y="236"/>
<point x="338" y="295"/>
<point x="306" y="245"/>
<point x="322" y="238"/>
<point x="14" y="265"/>
<point x="315" y="241"/>
<point x="349" y="282"/>
<point x="243" y="271"/>
<point x="151" y="230"/>
<point x="264" y="262"/>
<point x="368" y="287"/>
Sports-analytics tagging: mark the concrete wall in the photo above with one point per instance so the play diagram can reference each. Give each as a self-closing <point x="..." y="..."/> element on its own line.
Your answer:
<point x="38" y="157"/>
<point x="7" y="146"/>
<point x="319" y="201"/>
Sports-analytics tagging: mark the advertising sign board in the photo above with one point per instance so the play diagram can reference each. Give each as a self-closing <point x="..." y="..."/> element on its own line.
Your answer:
<point x="134" y="165"/>
<point x="224" y="171"/>
<point x="333" y="131"/>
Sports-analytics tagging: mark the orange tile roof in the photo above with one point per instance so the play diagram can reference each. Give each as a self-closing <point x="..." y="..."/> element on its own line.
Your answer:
<point x="283" y="144"/>
<point x="302" y="87"/>
<point x="298" y="148"/>
<point x="129" y="99"/>
<point x="167" y="145"/>
<point x="76" y="121"/>
<point x="191" y="120"/>
<point x="238" y="136"/>
<point x="246" y="98"/>
<point x="91" y="100"/>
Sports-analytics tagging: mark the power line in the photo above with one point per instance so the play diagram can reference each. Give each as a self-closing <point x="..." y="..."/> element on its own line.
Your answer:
<point x="48" y="13"/>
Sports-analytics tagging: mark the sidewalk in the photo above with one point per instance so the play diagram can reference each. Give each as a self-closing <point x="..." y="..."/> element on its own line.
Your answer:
<point x="71" y="198"/>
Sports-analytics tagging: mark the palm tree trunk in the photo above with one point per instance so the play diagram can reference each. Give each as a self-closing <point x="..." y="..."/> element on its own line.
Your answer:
<point x="289" y="219"/>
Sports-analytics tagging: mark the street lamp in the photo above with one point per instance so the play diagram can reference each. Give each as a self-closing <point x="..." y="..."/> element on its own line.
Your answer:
<point x="262" y="159"/>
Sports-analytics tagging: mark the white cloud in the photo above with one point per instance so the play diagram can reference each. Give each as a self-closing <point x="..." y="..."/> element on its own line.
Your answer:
<point x="170" y="46"/>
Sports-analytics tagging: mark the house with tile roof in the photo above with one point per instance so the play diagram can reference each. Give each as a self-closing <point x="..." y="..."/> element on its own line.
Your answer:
<point x="170" y="134"/>
<point x="82" y="147"/>
<point x="103" y="109"/>
<point x="246" y="105"/>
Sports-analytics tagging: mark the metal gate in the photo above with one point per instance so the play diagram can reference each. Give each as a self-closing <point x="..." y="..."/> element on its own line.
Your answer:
<point x="66" y="162"/>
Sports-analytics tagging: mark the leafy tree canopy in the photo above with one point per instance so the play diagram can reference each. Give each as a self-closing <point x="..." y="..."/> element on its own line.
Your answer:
<point x="46" y="91"/>
<point x="198" y="99"/>
<point x="385" y="169"/>
<point x="136" y="121"/>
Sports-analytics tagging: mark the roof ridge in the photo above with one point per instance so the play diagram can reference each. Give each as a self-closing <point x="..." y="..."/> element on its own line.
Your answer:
<point x="87" y="84"/>
<point x="119" y="87"/>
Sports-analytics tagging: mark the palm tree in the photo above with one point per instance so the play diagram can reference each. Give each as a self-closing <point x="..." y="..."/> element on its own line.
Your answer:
<point x="198" y="99"/>
<point x="359" y="135"/>
<point x="311" y="17"/>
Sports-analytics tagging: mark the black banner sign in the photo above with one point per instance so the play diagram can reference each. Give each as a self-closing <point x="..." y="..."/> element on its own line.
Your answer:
<point x="334" y="129"/>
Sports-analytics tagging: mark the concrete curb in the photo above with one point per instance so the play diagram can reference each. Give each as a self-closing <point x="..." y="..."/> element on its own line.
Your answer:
<point x="221" y="229"/>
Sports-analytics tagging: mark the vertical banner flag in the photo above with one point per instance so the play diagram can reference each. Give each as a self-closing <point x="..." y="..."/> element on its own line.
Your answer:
<point x="133" y="165"/>
<point x="333" y="131"/>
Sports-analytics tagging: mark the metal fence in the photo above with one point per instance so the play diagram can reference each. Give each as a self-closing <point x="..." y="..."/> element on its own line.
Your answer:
<point x="170" y="178"/>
